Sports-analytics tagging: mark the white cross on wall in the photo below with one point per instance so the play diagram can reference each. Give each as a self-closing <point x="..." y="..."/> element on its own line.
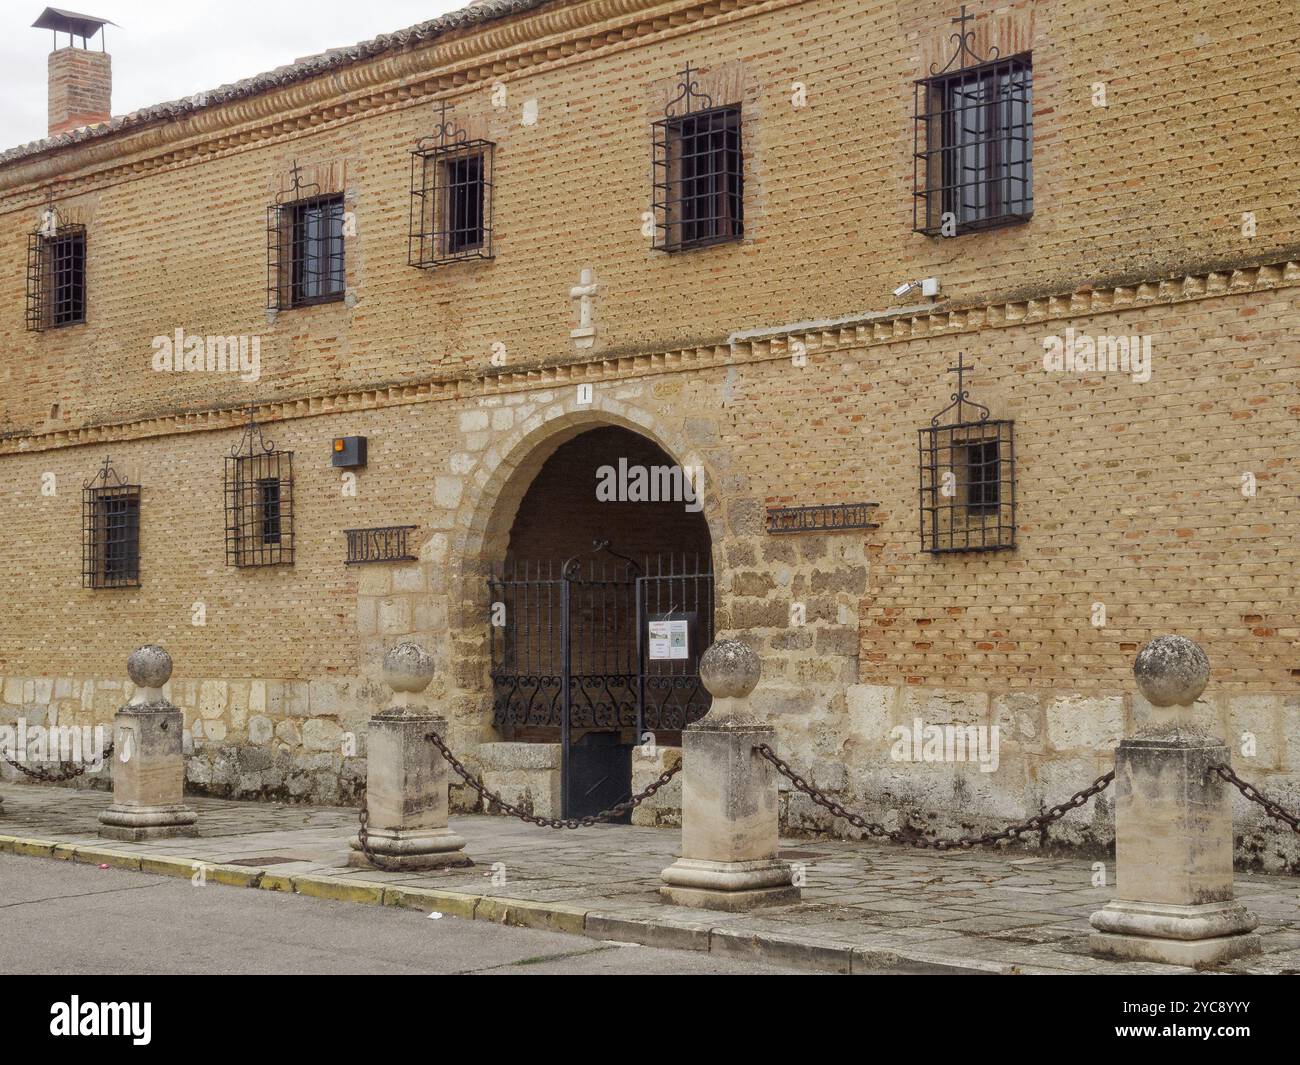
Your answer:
<point x="584" y="334"/>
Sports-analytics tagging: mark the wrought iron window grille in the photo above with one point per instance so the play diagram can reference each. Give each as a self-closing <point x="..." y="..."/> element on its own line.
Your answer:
<point x="259" y="501"/>
<point x="304" y="246"/>
<point x="967" y="476"/>
<point x="972" y="144"/>
<point x="698" y="170"/>
<point x="56" y="274"/>
<point x="383" y="543"/>
<point x="451" y="196"/>
<point x="110" y="531"/>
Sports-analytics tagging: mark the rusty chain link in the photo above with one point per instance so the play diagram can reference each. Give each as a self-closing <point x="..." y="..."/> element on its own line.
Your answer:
<point x="551" y="822"/>
<point x="913" y="837"/>
<point x="490" y="797"/>
<point x="59" y="776"/>
<point x="363" y="838"/>
<point x="1256" y="796"/>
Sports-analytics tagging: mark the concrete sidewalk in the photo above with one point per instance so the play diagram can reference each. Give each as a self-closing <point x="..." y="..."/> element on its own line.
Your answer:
<point x="866" y="906"/>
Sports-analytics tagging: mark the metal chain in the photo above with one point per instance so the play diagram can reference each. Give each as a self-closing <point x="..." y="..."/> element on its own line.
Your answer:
<point x="912" y="837"/>
<point x="551" y="822"/>
<point x="1255" y="795"/>
<point x="58" y="776"/>
<point x="363" y="837"/>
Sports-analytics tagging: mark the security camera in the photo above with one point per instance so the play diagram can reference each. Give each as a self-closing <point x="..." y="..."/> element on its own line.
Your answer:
<point x="929" y="286"/>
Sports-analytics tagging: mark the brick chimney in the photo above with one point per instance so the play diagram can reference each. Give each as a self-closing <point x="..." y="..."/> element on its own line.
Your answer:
<point x="81" y="88"/>
<point x="81" y="80"/>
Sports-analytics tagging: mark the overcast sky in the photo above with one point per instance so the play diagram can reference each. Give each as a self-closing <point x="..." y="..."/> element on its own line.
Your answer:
<point x="165" y="49"/>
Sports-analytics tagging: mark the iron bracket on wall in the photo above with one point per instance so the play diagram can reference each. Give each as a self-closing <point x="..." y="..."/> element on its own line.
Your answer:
<point x="382" y="543"/>
<point x="832" y="517"/>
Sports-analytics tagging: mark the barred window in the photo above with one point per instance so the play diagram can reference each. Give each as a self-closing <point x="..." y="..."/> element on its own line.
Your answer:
<point x="56" y="277"/>
<point x="110" y="531"/>
<point x="973" y="143"/>
<point x="268" y="490"/>
<point x="316" y="268"/>
<point x="698" y="172"/>
<point x="304" y="247"/>
<point x="451" y="197"/>
<point x="967" y="475"/>
<point x="259" y="502"/>
<point x="983" y="475"/>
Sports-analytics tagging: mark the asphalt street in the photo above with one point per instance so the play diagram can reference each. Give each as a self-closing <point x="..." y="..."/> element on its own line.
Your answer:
<point x="59" y="917"/>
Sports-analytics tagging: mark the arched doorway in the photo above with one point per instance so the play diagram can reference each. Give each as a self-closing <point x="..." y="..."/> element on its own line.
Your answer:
<point x="600" y="610"/>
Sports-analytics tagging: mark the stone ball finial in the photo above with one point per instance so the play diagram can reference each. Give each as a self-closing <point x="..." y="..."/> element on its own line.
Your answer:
<point x="408" y="667"/>
<point x="729" y="669"/>
<point x="1171" y="671"/>
<point x="149" y="666"/>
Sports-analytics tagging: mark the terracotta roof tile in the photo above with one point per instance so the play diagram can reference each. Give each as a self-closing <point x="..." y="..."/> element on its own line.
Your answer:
<point x="476" y="14"/>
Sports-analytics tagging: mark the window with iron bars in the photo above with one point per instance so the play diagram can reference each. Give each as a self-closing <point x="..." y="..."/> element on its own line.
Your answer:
<point x="56" y="277"/>
<point x="259" y="503"/>
<point x="451" y="197"/>
<point x="973" y="148"/>
<point x="305" y="258"/>
<point x="110" y="532"/>
<point x="967" y="475"/>
<point x="698" y="170"/>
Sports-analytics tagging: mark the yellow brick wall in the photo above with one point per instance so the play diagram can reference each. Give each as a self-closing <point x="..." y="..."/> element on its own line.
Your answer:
<point x="1129" y="494"/>
<point x="1198" y="129"/>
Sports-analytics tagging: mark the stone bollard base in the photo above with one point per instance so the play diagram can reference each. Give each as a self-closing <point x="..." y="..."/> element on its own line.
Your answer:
<point x="1173" y="827"/>
<point x="148" y="769"/>
<point x="1206" y="934"/>
<point x="406" y="778"/>
<point x="132" y="824"/>
<point x="435" y="848"/>
<point x="729" y="821"/>
<point x="731" y="886"/>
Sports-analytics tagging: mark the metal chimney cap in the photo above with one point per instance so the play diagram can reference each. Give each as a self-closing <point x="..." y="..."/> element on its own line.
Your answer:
<point x="61" y="21"/>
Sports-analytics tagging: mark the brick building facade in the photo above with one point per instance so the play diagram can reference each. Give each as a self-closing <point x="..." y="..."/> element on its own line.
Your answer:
<point x="1164" y="209"/>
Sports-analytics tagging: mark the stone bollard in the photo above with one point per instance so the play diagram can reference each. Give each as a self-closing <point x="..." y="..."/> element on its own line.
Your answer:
<point x="406" y="776"/>
<point x="149" y="767"/>
<point x="729" y="798"/>
<point x="1173" y="828"/>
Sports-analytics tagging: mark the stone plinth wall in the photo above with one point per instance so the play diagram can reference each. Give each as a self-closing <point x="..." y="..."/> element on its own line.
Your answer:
<point x="293" y="741"/>
<point x="526" y="775"/>
<point x="664" y="807"/>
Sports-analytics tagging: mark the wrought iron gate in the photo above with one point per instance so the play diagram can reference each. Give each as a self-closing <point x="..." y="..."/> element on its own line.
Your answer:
<point x="573" y="660"/>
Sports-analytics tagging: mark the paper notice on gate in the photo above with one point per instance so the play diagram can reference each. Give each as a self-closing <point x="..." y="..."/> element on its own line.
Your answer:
<point x="668" y="639"/>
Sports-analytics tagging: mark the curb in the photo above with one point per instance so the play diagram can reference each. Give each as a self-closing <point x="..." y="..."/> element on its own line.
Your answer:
<point x="766" y="947"/>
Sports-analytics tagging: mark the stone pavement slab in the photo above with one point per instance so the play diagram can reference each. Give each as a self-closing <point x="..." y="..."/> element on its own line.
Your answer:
<point x="866" y="906"/>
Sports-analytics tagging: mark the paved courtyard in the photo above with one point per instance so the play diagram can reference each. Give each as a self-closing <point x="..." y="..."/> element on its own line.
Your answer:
<point x="866" y="906"/>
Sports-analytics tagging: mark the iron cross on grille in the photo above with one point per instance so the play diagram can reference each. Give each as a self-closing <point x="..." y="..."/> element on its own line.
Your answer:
<point x="446" y="131"/>
<point x="689" y="92"/>
<point x="965" y="54"/>
<point x="298" y="188"/>
<point x="961" y="398"/>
